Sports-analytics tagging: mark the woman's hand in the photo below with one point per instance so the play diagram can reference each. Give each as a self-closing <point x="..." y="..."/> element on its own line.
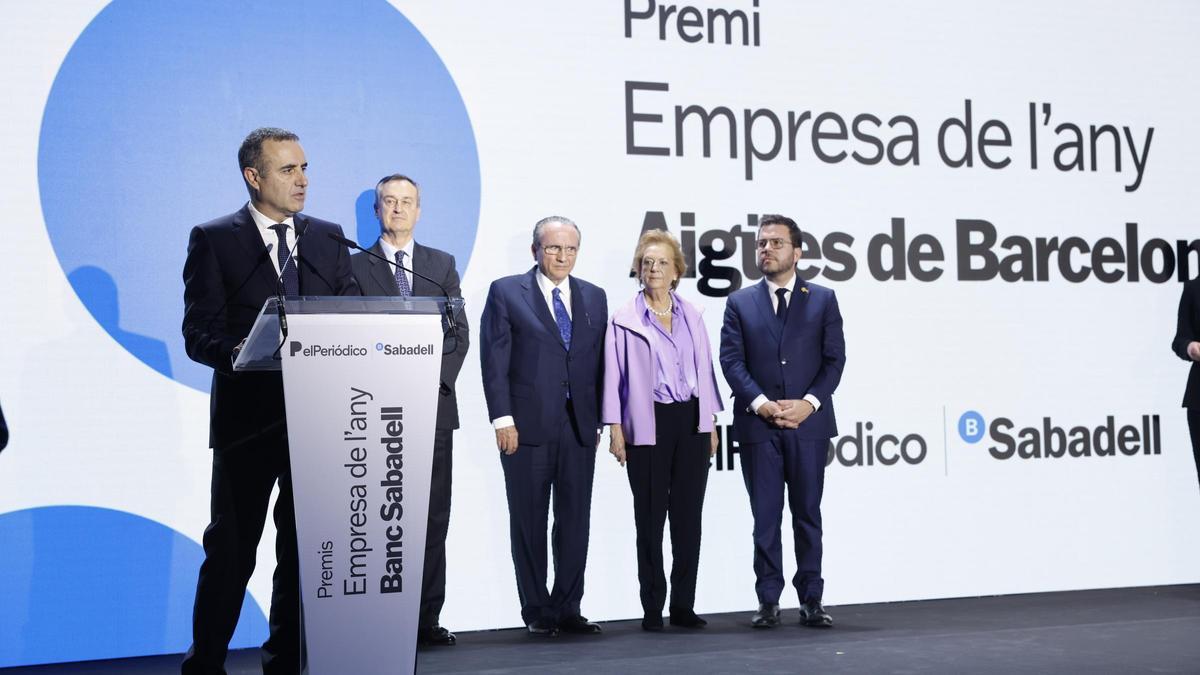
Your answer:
<point x="616" y="443"/>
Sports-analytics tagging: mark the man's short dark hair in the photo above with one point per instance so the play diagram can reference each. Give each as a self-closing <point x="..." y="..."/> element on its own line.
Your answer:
<point x="776" y="219"/>
<point x="250" y="154"/>
<point x="396" y="176"/>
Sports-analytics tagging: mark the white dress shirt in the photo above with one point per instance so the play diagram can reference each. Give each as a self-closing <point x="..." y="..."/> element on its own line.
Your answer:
<point x="270" y="238"/>
<point x="389" y="252"/>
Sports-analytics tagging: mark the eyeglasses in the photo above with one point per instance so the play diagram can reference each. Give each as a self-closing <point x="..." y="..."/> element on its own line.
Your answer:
<point x="774" y="244"/>
<point x="391" y="202"/>
<point x="651" y="264"/>
<point x="555" y="249"/>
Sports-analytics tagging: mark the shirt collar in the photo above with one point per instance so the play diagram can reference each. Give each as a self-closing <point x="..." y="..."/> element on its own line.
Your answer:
<point x="264" y="223"/>
<point x="389" y="251"/>
<point x="547" y="287"/>
<point x="790" y="287"/>
<point x="643" y="307"/>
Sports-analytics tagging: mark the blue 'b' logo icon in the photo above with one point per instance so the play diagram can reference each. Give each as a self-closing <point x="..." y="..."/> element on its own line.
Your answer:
<point x="971" y="426"/>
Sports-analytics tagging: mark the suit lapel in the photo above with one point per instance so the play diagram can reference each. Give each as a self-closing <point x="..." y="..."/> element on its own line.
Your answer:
<point x="537" y="303"/>
<point x="247" y="233"/>
<point x="579" y="314"/>
<point x="382" y="273"/>
<point x="762" y="300"/>
<point x="421" y="263"/>
<point x="798" y="298"/>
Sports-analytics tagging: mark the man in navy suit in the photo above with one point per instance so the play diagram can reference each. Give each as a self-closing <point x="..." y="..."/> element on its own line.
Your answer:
<point x="541" y="336"/>
<point x="398" y="207"/>
<point x="234" y="263"/>
<point x="782" y="352"/>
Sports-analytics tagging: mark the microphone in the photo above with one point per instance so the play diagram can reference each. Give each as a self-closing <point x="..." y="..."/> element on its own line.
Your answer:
<point x="451" y="324"/>
<point x="262" y="257"/>
<point x="283" y="327"/>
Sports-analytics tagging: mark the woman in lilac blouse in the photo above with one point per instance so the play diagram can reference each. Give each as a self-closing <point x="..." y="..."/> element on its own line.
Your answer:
<point x="660" y="400"/>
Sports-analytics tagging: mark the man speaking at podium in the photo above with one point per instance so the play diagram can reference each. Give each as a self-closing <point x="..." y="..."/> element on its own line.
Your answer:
<point x="234" y="263"/>
<point x="398" y="207"/>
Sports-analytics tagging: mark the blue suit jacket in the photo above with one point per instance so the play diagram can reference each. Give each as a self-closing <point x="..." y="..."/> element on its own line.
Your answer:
<point x="527" y="370"/>
<point x="226" y="278"/>
<point x="805" y="355"/>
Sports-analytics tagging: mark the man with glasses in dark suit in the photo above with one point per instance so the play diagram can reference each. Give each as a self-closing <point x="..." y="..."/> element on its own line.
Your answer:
<point x="782" y="351"/>
<point x="542" y="352"/>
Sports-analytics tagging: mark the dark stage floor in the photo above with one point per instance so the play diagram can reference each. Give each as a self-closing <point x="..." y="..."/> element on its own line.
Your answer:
<point x="1130" y="630"/>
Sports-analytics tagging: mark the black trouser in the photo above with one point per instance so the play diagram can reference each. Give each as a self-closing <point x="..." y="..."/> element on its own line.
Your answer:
<point x="669" y="477"/>
<point x="1193" y="418"/>
<point x="242" y="480"/>
<point x="433" y="582"/>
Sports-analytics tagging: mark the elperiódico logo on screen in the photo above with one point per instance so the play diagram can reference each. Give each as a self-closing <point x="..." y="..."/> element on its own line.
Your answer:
<point x="1051" y="438"/>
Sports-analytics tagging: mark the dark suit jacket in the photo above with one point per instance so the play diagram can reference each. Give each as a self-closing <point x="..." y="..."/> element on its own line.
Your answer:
<point x="1187" y="330"/>
<point x="376" y="277"/>
<point x="227" y="277"/>
<point x="804" y="356"/>
<point x="527" y="371"/>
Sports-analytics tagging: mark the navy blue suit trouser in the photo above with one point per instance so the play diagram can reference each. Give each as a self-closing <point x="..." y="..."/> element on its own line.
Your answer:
<point x="766" y="468"/>
<point x="563" y="468"/>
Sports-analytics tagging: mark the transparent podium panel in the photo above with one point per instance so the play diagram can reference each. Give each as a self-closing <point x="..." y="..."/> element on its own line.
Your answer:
<point x="263" y="344"/>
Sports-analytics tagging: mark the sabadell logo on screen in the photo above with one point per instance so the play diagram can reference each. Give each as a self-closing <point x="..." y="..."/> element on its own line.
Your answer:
<point x="1050" y="438"/>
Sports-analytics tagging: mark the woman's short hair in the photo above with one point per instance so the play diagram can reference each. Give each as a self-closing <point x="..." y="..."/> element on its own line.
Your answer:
<point x="665" y="239"/>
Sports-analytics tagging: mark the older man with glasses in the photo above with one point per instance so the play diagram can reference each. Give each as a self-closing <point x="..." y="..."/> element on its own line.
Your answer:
<point x="542" y="339"/>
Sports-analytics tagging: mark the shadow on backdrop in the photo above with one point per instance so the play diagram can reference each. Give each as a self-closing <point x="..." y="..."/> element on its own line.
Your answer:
<point x="98" y="291"/>
<point x="366" y="225"/>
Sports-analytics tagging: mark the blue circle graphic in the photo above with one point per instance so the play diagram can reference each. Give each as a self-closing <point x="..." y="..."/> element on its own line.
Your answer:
<point x="85" y="583"/>
<point x="971" y="426"/>
<point x="141" y="128"/>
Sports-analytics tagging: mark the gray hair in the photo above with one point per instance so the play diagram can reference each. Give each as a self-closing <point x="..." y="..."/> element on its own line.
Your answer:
<point x="550" y="220"/>
<point x="394" y="177"/>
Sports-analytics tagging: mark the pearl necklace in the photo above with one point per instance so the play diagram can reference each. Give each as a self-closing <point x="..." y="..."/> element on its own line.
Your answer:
<point x="666" y="312"/>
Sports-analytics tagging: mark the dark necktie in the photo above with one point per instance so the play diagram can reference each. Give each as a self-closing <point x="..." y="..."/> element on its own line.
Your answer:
<point x="562" y="318"/>
<point x="287" y="262"/>
<point x="781" y="306"/>
<point x="401" y="277"/>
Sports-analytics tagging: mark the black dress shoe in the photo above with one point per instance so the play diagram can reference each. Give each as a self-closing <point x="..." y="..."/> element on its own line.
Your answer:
<point x="542" y="628"/>
<point x="435" y="636"/>
<point x="686" y="618"/>
<point x="812" y="614"/>
<point x="767" y="615"/>
<point x="578" y="624"/>
<point x="652" y="623"/>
